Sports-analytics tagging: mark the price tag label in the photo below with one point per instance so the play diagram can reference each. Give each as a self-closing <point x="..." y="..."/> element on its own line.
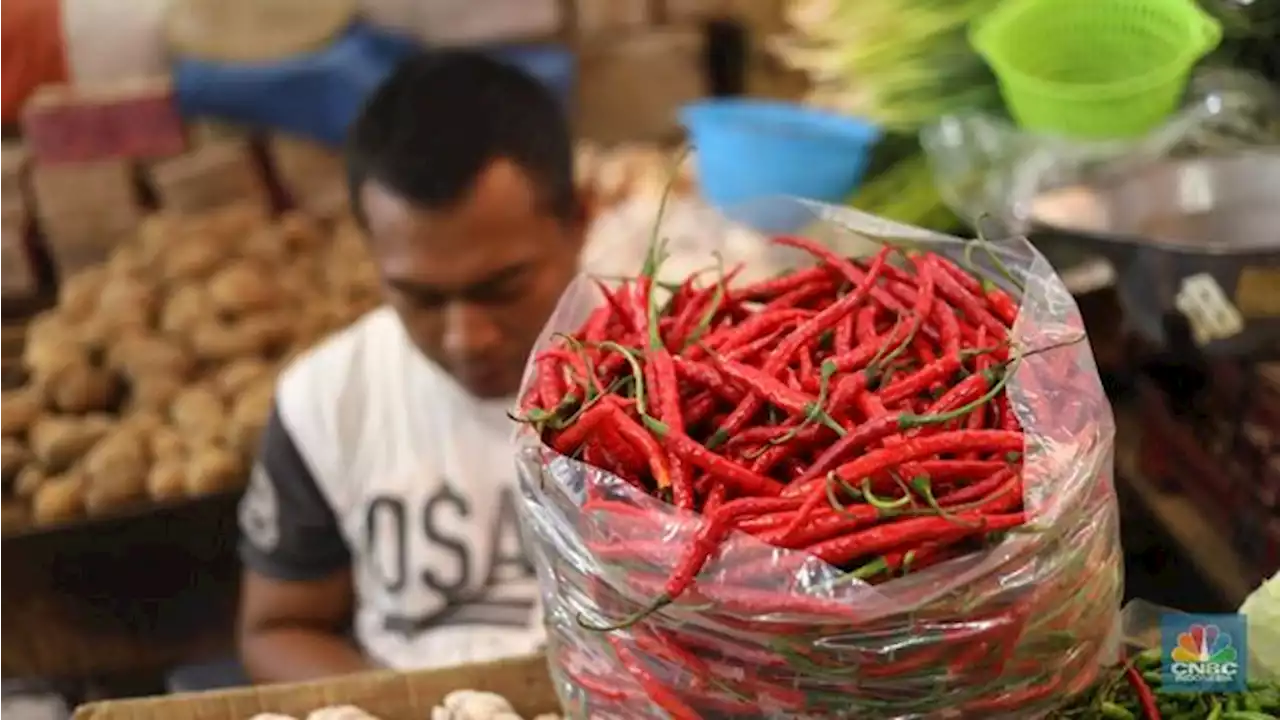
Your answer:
<point x="1206" y="306"/>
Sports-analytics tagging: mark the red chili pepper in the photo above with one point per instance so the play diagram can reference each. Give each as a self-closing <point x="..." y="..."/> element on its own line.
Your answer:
<point x="921" y="447"/>
<point x="666" y="398"/>
<point x="596" y="687"/>
<point x="756" y="326"/>
<point x="742" y="479"/>
<point x="864" y="328"/>
<point x="597" y="325"/>
<point x="862" y="436"/>
<point x="941" y="369"/>
<point x="802" y="296"/>
<point x="660" y="694"/>
<point x="843" y="342"/>
<point x="801" y="439"/>
<point x="631" y="431"/>
<point x="878" y="427"/>
<point x="865" y="352"/>
<point x="846" y="393"/>
<point x="773" y="391"/>
<point x="568" y="440"/>
<point x="810" y="329"/>
<point x="551" y="387"/>
<point x="756" y="347"/>
<point x="846" y="268"/>
<point x="806" y="365"/>
<point x="743" y="507"/>
<point x="700" y="408"/>
<point x="660" y="644"/>
<point x="1146" y="698"/>
<point x="920" y="312"/>
<point x="973" y="308"/>
<point x="706" y="376"/>
<point x="980" y="489"/>
<point x="777" y="530"/>
<point x="906" y="531"/>
<point x="773" y="287"/>
<point x="751" y="601"/>
<point x="953" y="470"/>
<point x="756" y="436"/>
<point x="1004" y="306"/>
<point x="614" y="299"/>
<point x="1008" y="419"/>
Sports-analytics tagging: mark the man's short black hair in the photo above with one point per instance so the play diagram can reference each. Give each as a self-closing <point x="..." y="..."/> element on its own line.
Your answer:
<point x="442" y="117"/>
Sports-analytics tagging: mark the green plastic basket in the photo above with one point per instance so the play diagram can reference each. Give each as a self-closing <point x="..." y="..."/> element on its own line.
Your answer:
<point x="1094" y="68"/>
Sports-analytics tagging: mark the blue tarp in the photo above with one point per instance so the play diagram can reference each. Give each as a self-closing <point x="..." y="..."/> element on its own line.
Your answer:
<point x="318" y="95"/>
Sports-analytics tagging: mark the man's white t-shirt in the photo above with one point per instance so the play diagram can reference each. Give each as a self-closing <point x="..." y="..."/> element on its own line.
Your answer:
<point x="374" y="458"/>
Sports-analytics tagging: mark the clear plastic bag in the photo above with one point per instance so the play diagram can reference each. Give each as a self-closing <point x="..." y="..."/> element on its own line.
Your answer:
<point x="769" y="633"/>
<point x="984" y="165"/>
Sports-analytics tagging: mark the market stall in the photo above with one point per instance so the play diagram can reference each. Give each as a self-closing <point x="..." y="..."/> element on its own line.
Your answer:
<point x="778" y="457"/>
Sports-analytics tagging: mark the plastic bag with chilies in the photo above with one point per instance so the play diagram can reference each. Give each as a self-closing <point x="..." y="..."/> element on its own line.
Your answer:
<point x="1009" y="631"/>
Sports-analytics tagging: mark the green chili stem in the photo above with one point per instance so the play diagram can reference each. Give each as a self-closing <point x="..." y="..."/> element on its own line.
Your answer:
<point x="881" y="503"/>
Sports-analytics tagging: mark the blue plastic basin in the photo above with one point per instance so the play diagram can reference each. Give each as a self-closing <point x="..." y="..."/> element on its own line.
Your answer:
<point x="747" y="149"/>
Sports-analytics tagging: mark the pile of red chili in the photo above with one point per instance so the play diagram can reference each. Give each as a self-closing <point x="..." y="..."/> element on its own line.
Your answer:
<point x="853" y="412"/>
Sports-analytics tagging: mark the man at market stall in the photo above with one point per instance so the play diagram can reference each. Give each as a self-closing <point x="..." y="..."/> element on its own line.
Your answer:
<point x="383" y="505"/>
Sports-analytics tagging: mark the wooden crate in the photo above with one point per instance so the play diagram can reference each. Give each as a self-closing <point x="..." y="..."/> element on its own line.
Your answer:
<point x="525" y="682"/>
<point x="209" y="177"/>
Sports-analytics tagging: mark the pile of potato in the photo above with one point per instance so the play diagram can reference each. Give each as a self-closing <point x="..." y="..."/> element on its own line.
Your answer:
<point x="152" y="377"/>
<point x="458" y="705"/>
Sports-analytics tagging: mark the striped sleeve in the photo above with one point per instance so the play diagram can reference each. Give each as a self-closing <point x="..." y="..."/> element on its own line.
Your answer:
<point x="288" y="529"/>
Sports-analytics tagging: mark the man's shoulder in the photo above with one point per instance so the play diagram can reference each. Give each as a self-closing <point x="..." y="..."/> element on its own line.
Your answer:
<point x="340" y="376"/>
<point x="337" y="363"/>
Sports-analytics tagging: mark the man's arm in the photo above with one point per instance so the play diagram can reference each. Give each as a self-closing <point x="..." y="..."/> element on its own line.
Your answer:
<point x="297" y="596"/>
<point x="292" y="631"/>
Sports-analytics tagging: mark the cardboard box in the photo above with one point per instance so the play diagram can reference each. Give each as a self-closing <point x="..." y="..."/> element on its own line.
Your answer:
<point x="386" y="695"/>
<point x="630" y="87"/>
<point x="601" y="17"/>
<point x="207" y="178"/>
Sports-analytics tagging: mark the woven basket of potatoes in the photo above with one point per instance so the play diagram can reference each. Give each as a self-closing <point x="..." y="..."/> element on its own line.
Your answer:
<point x="458" y="705"/>
<point x="151" y="378"/>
